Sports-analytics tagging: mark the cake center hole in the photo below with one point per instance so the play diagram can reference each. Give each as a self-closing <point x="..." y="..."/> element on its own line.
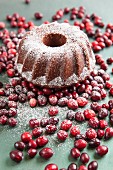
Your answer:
<point x="54" y="40"/>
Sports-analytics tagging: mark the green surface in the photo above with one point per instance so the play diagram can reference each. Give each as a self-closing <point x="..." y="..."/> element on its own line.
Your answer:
<point x="9" y="136"/>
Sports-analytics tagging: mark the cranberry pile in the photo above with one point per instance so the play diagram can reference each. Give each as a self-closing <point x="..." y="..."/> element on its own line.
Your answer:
<point x="88" y="93"/>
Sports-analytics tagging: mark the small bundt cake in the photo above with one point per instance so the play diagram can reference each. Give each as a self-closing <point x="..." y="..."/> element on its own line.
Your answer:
<point x="55" y="55"/>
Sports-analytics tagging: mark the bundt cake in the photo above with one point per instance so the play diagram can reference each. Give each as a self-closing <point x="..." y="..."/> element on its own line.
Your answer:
<point x="55" y="55"/>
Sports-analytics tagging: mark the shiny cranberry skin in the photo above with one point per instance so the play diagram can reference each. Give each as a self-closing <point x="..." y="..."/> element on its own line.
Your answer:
<point x="80" y="136"/>
<point x="91" y="133"/>
<point x="95" y="96"/>
<point x="16" y="155"/>
<point x="36" y="132"/>
<point x="93" y="122"/>
<point x="19" y="145"/>
<point x="62" y="101"/>
<point x="3" y="120"/>
<point x="94" y="142"/>
<point x="32" y="144"/>
<point x="103" y="124"/>
<point x="82" y="167"/>
<point x="46" y="153"/>
<point x="103" y="112"/>
<point x="89" y="113"/>
<point x="108" y="133"/>
<point x="11" y="72"/>
<point x="80" y="144"/>
<point x="53" y="120"/>
<point x="66" y="10"/>
<point x="74" y="131"/>
<point x="72" y="166"/>
<point x="100" y="133"/>
<point x="65" y="125"/>
<point x="79" y="116"/>
<point x="72" y="104"/>
<point x="84" y="158"/>
<point x="82" y="101"/>
<point x="53" y="99"/>
<point x="32" y="102"/>
<point x="75" y="153"/>
<point x="50" y="129"/>
<point x="95" y="106"/>
<point x="102" y="150"/>
<point x="32" y="152"/>
<point x="26" y="137"/>
<point x="41" y="141"/>
<point x="53" y="111"/>
<point x="93" y="165"/>
<point x="62" y="135"/>
<point x="81" y="89"/>
<point x="12" y="122"/>
<point x="51" y="167"/>
<point x="42" y="100"/>
<point x="33" y="123"/>
<point x="44" y="122"/>
<point x="38" y="15"/>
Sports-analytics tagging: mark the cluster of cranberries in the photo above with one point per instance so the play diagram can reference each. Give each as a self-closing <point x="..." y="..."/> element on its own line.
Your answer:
<point x="94" y="88"/>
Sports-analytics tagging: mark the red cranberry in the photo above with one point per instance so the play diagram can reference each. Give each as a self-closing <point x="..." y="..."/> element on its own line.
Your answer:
<point x="12" y="112"/>
<point x="93" y="122"/>
<point x="66" y="10"/>
<point x="111" y="91"/>
<point x="89" y="113"/>
<point x="32" y="152"/>
<point x="80" y="136"/>
<point x="95" y="96"/>
<point x="46" y="153"/>
<point x="22" y="98"/>
<point x="50" y="129"/>
<point x="13" y="97"/>
<point x="110" y="60"/>
<point x="12" y="122"/>
<point x="53" y="111"/>
<point x="72" y="104"/>
<point x="42" y="100"/>
<point x="2" y="25"/>
<point x="102" y="150"/>
<point x="62" y="135"/>
<point x="4" y="112"/>
<point x="33" y="123"/>
<point x="19" y="145"/>
<point x="53" y="99"/>
<point x="72" y="166"/>
<point x="51" y="167"/>
<point x="70" y="115"/>
<point x="11" y="72"/>
<point x="74" y="131"/>
<point x="81" y="89"/>
<point x="103" y="124"/>
<point x="12" y="104"/>
<point x="75" y="153"/>
<point x="93" y="165"/>
<point x="108" y="84"/>
<point x="27" y="1"/>
<point x="41" y="141"/>
<point x="95" y="106"/>
<point x="36" y="132"/>
<point x="62" y="101"/>
<point x="32" y="102"/>
<point x="3" y="120"/>
<point x="100" y="133"/>
<point x="38" y="15"/>
<point x="2" y="104"/>
<point x="82" y="167"/>
<point x="79" y="116"/>
<point x="16" y="155"/>
<point x="108" y="133"/>
<point x="84" y="158"/>
<point x="82" y="101"/>
<point x="53" y="120"/>
<point x="94" y="142"/>
<point x="26" y="137"/>
<point x="31" y="95"/>
<point x="91" y="133"/>
<point x="32" y="144"/>
<point x="80" y="144"/>
<point x="110" y="104"/>
<point x="47" y="91"/>
<point x="66" y="124"/>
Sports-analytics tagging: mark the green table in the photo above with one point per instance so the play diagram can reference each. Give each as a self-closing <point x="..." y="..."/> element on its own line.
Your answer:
<point x="8" y="136"/>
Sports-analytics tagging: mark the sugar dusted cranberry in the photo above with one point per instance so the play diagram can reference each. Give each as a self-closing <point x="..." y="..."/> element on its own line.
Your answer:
<point x="74" y="131"/>
<point x="36" y="132"/>
<point x="62" y="135"/>
<point x="33" y="123"/>
<point x="46" y="153"/>
<point x="38" y="15"/>
<point x="79" y="116"/>
<point x="16" y="155"/>
<point x="62" y="101"/>
<point x="80" y="144"/>
<point x="32" y="144"/>
<point x="27" y="1"/>
<point x="12" y="122"/>
<point x="108" y="133"/>
<point x="82" y="101"/>
<point x="3" y="120"/>
<point x="95" y="96"/>
<point x="96" y="106"/>
<point x="93" y="165"/>
<point x="22" y="98"/>
<point x="53" y="120"/>
<point x="53" y="99"/>
<point x="19" y="145"/>
<point x="72" y="166"/>
<point x="30" y="95"/>
<point x="12" y="104"/>
<point x="102" y="150"/>
<point x="26" y="137"/>
<point x="89" y="113"/>
<point x="13" y="97"/>
<point x="32" y="102"/>
<point x="51" y="167"/>
<point x="110" y="104"/>
<point x="44" y="122"/>
<point x="103" y="124"/>
<point x="18" y="89"/>
<point x="4" y="112"/>
<point x="111" y="91"/>
<point x="41" y="141"/>
<point x="50" y="129"/>
<point x="82" y="167"/>
<point x="93" y="143"/>
<point x="53" y="111"/>
<point x="91" y="133"/>
<point x="93" y="122"/>
<point x="66" y="124"/>
<point x="3" y="104"/>
<point x="32" y="152"/>
<point x="75" y="153"/>
<point x="108" y="84"/>
<point x="72" y="104"/>
<point x="84" y="158"/>
<point x="42" y="100"/>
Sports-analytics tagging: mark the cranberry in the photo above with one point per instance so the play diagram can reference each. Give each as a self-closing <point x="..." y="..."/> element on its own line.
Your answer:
<point x="70" y="115"/>
<point x="4" y="112"/>
<point x="46" y="153"/>
<point x="42" y="100"/>
<point x="27" y="1"/>
<point x="53" y="99"/>
<point x="95" y="96"/>
<point x="94" y="142"/>
<point x="11" y="72"/>
<point x="62" y="135"/>
<point x="103" y="112"/>
<point x="103" y="124"/>
<point x="100" y="133"/>
<point x="91" y="133"/>
<point x="30" y="95"/>
<point x="110" y="104"/>
<point x="41" y="141"/>
<point x="19" y="145"/>
<point x="81" y="89"/>
<point x="26" y="137"/>
<point x="16" y="155"/>
<point x="95" y="106"/>
<point x="12" y="122"/>
<point x="38" y="15"/>
<point x="33" y="123"/>
<point x="50" y="129"/>
<point x="66" y="10"/>
<point x="80" y="144"/>
<point x="32" y="152"/>
<point x="108" y="133"/>
<point x="75" y="153"/>
<point x="79" y="116"/>
<point x="44" y="122"/>
<point x="32" y="102"/>
<point x="12" y="112"/>
<point x="74" y="131"/>
<point x="13" y="97"/>
<point x="62" y="101"/>
<point x="110" y="60"/>
<point x="36" y="132"/>
<point x="89" y="113"/>
<point x="84" y="158"/>
<point x="102" y="150"/>
<point x="72" y="166"/>
<point x="51" y="167"/>
<point x="93" y="122"/>
<point x="93" y="165"/>
<point x="111" y="91"/>
<point x="12" y="104"/>
<point x="18" y="89"/>
<point x="66" y="124"/>
<point x="82" y="167"/>
<point x="72" y="104"/>
<point x="3" y="104"/>
<point x="22" y="98"/>
<point x="32" y="144"/>
<point x="53" y="120"/>
<point x="82" y="101"/>
<point x="3" y="120"/>
<point x="53" y="111"/>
